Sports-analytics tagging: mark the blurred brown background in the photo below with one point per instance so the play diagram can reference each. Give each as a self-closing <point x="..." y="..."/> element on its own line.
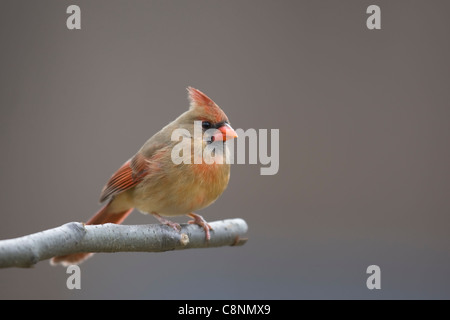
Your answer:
<point x="364" y="141"/>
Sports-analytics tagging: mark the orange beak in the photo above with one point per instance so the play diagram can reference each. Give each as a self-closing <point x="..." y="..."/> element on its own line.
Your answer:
<point x="226" y="133"/>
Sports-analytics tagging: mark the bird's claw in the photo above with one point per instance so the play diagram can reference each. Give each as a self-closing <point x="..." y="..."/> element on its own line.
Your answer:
<point x="173" y="225"/>
<point x="202" y="223"/>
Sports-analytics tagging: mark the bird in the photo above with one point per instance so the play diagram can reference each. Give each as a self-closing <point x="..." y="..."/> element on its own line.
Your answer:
<point x="152" y="183"/>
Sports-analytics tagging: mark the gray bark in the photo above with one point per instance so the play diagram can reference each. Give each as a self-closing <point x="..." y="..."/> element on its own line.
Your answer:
<point x="76" y="237"/>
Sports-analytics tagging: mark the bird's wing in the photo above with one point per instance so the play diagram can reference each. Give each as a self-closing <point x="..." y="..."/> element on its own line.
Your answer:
<point x="129" y="174"/>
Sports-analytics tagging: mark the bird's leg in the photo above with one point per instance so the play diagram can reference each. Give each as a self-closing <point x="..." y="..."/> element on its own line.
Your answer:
<point x="198" y="219"/>
<point x="171" y="224"/>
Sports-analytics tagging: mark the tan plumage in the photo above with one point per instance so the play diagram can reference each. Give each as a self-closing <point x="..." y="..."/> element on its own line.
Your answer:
<point x="152" y="183"/>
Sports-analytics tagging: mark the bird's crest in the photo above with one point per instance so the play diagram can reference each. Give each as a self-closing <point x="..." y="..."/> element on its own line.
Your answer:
<point x="200" y="102"/>
<point x="198" y="98"/>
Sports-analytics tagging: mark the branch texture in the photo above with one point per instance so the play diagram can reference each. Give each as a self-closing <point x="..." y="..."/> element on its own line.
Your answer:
<point x="76" y="237"/>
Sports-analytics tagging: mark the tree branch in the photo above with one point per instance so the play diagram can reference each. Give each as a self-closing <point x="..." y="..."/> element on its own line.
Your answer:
<point x="76" y="237"/>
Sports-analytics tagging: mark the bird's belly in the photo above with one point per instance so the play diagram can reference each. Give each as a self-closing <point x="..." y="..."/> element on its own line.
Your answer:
<point x="168" y="204"/>
<point x="179" y="196"/>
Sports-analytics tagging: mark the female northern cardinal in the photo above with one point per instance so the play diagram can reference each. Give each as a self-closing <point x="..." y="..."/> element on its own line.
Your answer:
<point x="152" y="183"/>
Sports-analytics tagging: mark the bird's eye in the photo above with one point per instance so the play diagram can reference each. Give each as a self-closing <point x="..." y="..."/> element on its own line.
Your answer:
<point x="206" y="125"/>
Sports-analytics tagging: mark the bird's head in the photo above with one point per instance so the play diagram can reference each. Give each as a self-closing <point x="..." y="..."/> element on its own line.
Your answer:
<point x="203" y="110"/>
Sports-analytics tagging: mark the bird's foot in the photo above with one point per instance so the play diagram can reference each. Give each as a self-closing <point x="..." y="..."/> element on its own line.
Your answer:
<point x="174" y="225"/>
<point x="201" y="222"/>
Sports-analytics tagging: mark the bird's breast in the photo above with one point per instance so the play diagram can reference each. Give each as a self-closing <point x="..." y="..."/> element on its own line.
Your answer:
<point x="182" y="189"/>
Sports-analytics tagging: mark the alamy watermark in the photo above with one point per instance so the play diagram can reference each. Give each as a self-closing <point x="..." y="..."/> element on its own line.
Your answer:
<point x="374" y="280"/>
<point x="212" y="147"/>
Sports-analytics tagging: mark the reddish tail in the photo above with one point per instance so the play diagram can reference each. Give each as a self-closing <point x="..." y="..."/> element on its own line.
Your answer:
<point x="101" y="217"/>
